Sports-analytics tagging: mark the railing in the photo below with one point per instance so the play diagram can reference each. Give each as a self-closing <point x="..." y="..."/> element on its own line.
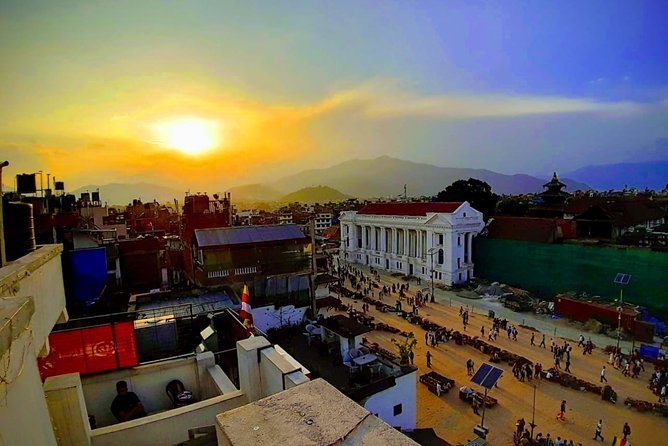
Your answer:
<point x="245" y="270"/>
<point x="218" y="274"/>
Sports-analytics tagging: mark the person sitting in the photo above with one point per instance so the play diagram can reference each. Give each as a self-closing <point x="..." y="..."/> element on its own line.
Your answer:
<point x="178" y="394"/>
<point x="126" y="406"/>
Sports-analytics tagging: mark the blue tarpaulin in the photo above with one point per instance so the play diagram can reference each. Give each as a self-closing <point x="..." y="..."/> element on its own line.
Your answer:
<point x="85" y="275"/>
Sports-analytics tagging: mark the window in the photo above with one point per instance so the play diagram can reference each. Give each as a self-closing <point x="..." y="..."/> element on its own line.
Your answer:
<point x="460" y="276"/>
<point x="459" y="240"/>
<point x="440" y="257"/>
<point x="397" y="410"/>
<point x="464" y="214"/>
<point x="440" y="239"/>
<point x="459" y="262"/>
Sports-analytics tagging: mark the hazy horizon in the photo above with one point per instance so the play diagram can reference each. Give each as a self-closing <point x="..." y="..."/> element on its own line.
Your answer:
<point x="225" y="93"/>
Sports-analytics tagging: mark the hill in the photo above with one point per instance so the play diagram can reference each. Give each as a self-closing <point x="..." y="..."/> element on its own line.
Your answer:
<point x="122" y="194"/>
<point x="386" y="176"/>
<point x="653" y="175"/>
<point x="318" y="194"/>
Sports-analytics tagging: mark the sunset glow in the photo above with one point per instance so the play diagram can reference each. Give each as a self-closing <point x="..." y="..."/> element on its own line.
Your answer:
<point x="191" y="136"/>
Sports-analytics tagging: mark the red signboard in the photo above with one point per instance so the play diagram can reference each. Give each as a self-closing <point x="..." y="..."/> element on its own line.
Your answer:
<point x="90" y="350"/>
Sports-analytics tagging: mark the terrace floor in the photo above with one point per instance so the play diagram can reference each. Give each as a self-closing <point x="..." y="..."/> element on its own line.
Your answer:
<point x="325" y="366"/>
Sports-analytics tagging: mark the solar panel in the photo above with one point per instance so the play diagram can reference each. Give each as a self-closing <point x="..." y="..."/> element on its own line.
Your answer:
<point x="487" y="375"/>
<point x="622" y="279"/>
<point x="492" y="378"/>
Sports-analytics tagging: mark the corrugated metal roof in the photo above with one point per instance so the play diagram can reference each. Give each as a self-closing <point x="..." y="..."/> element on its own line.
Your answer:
<point x="181" y="307"/>
<point x="409" y="209"/>
<point x="239" y="235"/>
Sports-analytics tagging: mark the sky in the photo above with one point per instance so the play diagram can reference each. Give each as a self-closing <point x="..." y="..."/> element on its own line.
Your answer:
<point x="221" y="93"/>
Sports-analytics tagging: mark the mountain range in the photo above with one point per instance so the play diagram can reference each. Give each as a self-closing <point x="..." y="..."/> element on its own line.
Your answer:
<point x="653" y="175"/>
<point x="362" y="178"/>
<point x="386" y="176"/>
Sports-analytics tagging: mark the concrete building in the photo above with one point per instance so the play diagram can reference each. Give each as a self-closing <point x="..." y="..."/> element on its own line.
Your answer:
<point x="335" y="349"/>
<point x="58" y="411"/>
<point x="32" y="301"/>
<point x="323" y="220"/>
<point x="413" y="238"/>
<point x="314" y="413"/>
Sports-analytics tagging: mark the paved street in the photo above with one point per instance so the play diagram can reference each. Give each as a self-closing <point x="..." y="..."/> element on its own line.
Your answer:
<point x="454" y="420"/>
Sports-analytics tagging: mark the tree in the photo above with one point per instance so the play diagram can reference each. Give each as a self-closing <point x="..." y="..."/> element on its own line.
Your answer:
<point x="514" y="206"/>
<point x="405" y="347"/>
<point x="478" y="193"/>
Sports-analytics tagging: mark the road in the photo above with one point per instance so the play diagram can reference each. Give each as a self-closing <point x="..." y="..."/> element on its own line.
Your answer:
<point x="453" y="420"/>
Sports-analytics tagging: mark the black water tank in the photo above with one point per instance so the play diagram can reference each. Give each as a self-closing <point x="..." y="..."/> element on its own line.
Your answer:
<point x="19" y="229"/>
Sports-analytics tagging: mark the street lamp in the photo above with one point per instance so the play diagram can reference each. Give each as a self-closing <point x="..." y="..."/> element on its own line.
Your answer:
<point x="533" y="412"/>
<point x="431" y="253"/>
<point x="621" y="279"/>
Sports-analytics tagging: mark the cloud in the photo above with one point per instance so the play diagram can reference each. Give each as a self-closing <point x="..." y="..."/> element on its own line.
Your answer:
<point x="263" y="140"/>
<point x="387" y="100"/>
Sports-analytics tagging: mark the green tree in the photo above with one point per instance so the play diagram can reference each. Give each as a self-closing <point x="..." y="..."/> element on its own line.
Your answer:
<point x="514" y="206"/>
<point x="478" y="193"/>
<point x="405" y="347"/>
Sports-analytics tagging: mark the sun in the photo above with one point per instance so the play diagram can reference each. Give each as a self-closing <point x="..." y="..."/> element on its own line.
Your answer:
<point x="189" y="135"/>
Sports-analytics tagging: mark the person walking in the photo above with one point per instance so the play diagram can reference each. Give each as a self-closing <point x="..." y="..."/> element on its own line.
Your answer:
<point x="626" y="430"/>
<point x="482" y="331"/>
<point x="662" y="393"/>
<point x="428" y="359"/>
<point x="561" y="416"/>
<point x="542" y="342"/>
<point x="533" y="337"/>
<point x="603" y="378"/>
<point x="568" y="365"/>
<point x="411" y="356"/>
<point x="599" y="429"/>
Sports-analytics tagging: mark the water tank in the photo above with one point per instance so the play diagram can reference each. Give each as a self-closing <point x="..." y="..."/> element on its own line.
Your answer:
<point x="19" y="229"/>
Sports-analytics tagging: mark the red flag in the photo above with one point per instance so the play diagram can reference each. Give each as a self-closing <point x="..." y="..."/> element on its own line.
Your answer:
<point x="245" y="312"/>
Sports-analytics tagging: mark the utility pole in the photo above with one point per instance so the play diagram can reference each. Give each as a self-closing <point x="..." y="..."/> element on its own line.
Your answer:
<point x="533" y="412"/>
<point x="3" y="258"/>
<point x="405" y="194"/>
<point x="621" y="279"/>
<point x="314" y="267"/>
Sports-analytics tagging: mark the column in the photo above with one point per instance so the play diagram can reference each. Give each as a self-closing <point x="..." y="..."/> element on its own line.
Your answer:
<point x="406" y="242"/>
<point x="364" y="241"/>
<point x="383" y="240"/>
<point x="469" y="240"/>
<point x="418" y="251"/>
<point x="395" y="245"/>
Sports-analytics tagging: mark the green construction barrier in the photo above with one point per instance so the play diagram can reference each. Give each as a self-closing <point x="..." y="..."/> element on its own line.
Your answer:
<point x="549" y="269"/>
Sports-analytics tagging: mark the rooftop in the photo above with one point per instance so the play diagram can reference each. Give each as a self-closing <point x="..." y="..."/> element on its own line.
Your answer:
<point x="344" y="326"/>
<point x="314" y="413"/>
<point x="240" y="235"/>
<point x="409" y="209"/>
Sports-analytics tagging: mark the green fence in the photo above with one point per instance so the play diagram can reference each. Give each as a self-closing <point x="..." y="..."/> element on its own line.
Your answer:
<point x="549" y="269"/>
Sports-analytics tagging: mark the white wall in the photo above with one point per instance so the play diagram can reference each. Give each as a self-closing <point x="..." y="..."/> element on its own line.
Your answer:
<point x="167" y="428"/>
<point x="148" y="382"/>
<point x="465" y="220"/>
<point x="404" y="393"/>
<point x="268" y="317"/>
<point x="36" y="277"/>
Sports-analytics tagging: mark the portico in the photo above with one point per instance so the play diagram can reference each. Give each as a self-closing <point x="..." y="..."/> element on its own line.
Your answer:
<point x="397" y="237"/>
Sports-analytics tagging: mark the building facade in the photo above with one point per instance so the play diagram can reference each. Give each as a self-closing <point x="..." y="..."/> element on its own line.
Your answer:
<point x="413" y="238"/>
<point x="323" y="220"/>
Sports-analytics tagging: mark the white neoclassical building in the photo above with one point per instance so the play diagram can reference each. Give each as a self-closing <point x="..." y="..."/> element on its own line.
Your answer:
<point x="408" y="237"/>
